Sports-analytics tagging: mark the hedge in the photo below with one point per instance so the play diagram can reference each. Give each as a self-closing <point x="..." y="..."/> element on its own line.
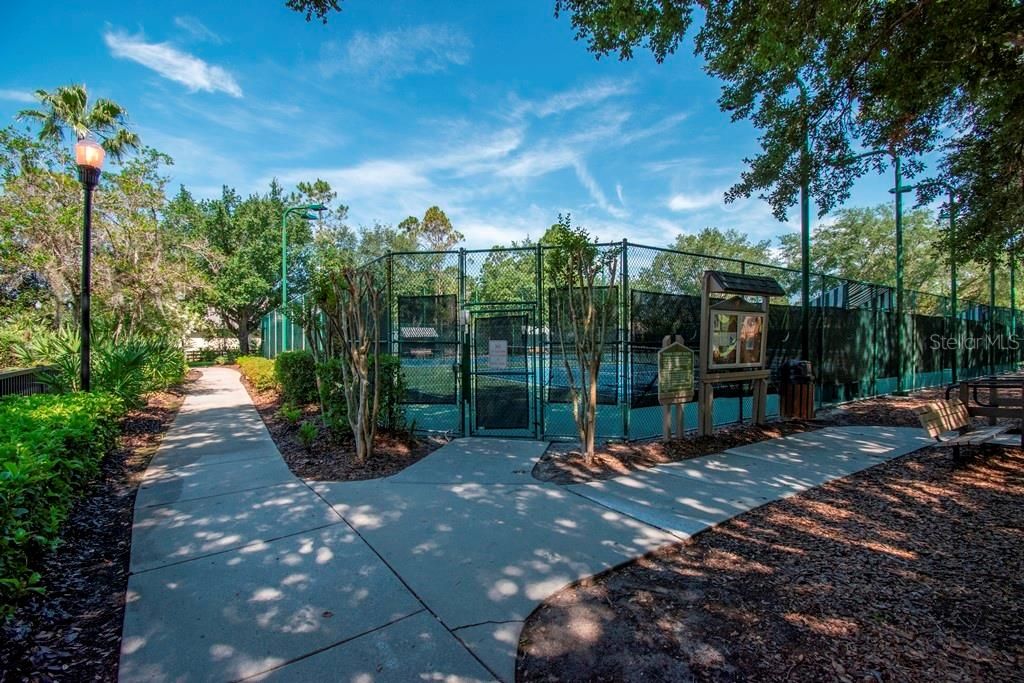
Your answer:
<point x="51" y="446"/>
<point x="296" y="373"/>
<point x="259" y="371"/>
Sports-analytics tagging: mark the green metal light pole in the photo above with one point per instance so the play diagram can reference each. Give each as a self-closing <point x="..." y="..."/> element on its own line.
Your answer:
<point x="805" y="228"/>
<point x="306" y="215"/>
<point x="951" y="194"/>
<point x="898" y="189"/>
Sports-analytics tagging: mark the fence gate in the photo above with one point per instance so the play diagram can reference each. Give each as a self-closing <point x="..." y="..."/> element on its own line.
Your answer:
<point x="502" y="373"/>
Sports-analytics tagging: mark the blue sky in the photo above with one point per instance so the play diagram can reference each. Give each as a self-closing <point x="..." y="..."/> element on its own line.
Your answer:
<point x="490" y="110"/>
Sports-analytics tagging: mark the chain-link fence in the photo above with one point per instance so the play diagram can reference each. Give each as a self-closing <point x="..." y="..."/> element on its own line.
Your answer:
<point x="485" y="349"/>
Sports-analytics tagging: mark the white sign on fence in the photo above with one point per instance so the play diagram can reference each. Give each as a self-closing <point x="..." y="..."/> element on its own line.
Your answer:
<point x="497" y="354"/>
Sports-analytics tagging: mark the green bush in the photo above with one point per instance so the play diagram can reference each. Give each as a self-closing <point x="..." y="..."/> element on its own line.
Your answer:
<point x="51" y="446"/>
<point x="392" y="391"/>
<point x="307" y="434"/>
<point x="296" y="373"/>
<point x="290" y="413"/>
<point x="333" y="397"/>
<point x="392" y="414"/>
<point x="259" y="371"/>
<point x="127" y="365"/>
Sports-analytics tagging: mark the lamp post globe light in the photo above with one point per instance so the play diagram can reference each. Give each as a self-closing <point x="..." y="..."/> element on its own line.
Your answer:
<point x="304" y="212"/>
<point x="89" y="157"/>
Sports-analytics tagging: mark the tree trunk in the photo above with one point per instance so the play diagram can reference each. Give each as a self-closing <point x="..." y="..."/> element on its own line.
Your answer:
<point x="243" y="335"/>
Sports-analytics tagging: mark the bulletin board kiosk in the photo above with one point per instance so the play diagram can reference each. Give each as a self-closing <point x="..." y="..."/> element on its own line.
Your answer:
<point x="733" y="339"/>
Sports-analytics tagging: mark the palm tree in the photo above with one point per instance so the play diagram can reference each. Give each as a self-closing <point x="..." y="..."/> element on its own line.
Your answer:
<point x="66" y="108"/>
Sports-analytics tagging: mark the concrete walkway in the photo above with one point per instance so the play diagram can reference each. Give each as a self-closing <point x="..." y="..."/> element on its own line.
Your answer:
<point x="240" y="570"/>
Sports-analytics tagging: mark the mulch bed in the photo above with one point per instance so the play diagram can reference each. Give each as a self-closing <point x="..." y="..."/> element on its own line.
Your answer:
<point x="73" y="632"/>
<point x="909" y="571"/>
<point x="331" y="457"/>
<point x="564" y="464"/>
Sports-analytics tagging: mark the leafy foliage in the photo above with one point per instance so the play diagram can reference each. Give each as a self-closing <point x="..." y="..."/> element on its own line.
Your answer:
<point x="259" y="371"/>
<point x="50" y="449"/>
<point x="241" y="253"/>
<point x="125" y="365"/>
<point x="314" y="8"/>
<point x="909" y="77"/>
<point x="307" y="434"/>
<point x="388" y="371"/>
<point x="67" y="109"/>
<point x="669" y="273"/>
<point x="296" y="374"/>
<point x="141" y="275"/>
<point x="291" y="414"/>
<point x="584" y="314"/>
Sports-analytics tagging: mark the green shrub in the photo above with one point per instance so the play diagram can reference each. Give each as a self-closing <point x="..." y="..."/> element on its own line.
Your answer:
<point x="296" y="373"/>
<point x="307" y="434"/>
<point x="127" y="365"/>
<point x="333" y="397"/>
<point x="51" y="446"/>
<point x="392" y="390"/>
<point x="259" y="371"/>
<point x="290" y="413"/>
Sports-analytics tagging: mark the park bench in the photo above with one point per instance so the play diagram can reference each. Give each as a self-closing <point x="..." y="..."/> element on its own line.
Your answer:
<point x="952" y="415"/>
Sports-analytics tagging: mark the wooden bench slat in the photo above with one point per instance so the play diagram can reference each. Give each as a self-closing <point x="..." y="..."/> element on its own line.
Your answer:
<point x="938" y="417"/>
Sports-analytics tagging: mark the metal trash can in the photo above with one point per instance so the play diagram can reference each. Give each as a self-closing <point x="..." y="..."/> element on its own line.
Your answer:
<point x="796" y="390"/>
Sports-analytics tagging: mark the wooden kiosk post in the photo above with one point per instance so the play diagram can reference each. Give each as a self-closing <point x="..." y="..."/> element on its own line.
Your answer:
<point x="675" y="383"/>
<point x="733" y="339"/>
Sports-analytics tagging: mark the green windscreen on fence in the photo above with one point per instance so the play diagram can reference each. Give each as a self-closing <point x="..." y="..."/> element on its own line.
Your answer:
<point x="428" y="347"/>
<point x="439" y="309"/>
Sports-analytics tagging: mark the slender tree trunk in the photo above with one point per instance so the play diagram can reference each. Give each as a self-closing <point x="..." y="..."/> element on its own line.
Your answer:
<point x="243" y="335"/>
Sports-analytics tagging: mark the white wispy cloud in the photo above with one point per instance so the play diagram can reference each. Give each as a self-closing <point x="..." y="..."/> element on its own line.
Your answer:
<point x="576" y="98"/>
<point x="197" y="29"/>
<point x="683" y="201"/>
<point x="11" y="95"/>
<point x="172" y="63"/>
<point x="596" y="193"/>
<point x="426" y="49"/>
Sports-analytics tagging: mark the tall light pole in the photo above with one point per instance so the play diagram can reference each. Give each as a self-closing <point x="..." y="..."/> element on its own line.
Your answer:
<point x="954" y="322"/>
<point x="306" y="215"/>
<point x="898" y="189"/>
<point x="89" y="157"/>
<point x="805" y="228"/>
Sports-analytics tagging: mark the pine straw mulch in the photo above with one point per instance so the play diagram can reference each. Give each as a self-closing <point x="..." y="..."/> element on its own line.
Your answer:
<point x="564" y="464"/>
<point x="73" y="631"/>
<point x="331" y="457"/>
<point x="910" y="571"/>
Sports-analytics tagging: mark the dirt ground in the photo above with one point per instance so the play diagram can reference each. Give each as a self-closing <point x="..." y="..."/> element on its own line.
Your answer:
<point x="332" y="458"/>
<point x="73" y="632"/>
<point x="564" y="464"/>
<point x="909" y="571"/>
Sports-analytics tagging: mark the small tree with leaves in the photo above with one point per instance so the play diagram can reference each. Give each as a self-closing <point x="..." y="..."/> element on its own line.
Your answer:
<point x="348" y="328"/>
<point x="584" y="312"/>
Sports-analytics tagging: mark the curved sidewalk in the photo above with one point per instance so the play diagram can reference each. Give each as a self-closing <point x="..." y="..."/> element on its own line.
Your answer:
<point x="241" y="570"/>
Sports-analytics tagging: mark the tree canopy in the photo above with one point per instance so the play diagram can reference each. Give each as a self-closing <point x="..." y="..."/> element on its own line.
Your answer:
<point x="910" y="77"/>
<point x="67" y="109"/>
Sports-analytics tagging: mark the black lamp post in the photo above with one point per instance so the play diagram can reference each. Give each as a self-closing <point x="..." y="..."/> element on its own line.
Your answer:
<point x="89" y="156"/>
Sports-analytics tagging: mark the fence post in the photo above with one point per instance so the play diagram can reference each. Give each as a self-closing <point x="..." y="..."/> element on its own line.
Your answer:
<point x="624" y="338"/>
<point x="541" y="378"/>
<point x="464" y="337"/>
<point x="390" y="302"/>
<point x="991" y="316"/>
